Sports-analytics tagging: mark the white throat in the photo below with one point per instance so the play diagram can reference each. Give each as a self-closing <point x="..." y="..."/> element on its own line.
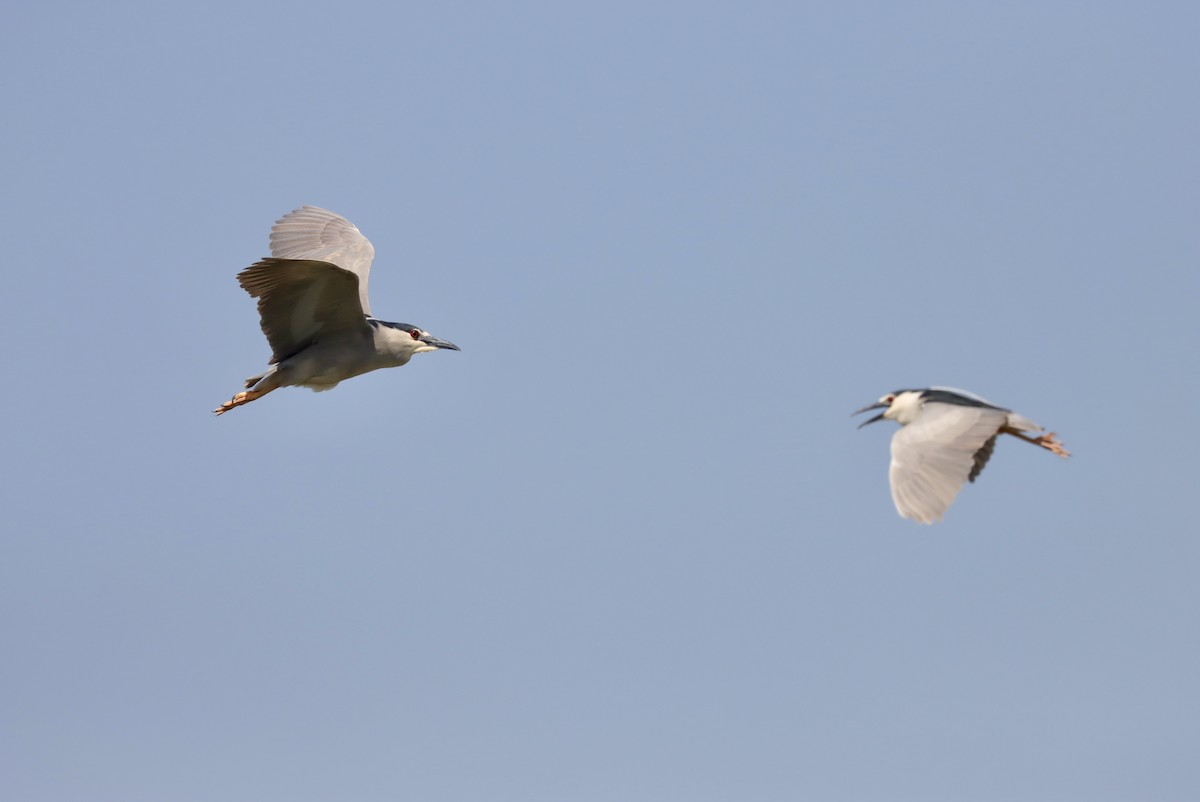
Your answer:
<point x="905" y="408"/>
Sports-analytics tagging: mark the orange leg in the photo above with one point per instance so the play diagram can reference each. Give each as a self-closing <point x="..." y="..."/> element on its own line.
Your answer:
<point x="241" y="398"/>
<point x="1049" y="441"/>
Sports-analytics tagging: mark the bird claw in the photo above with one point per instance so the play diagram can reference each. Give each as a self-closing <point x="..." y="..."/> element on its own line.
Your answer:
<point x="237" y="400"/>
<point x="1051" y="443"/>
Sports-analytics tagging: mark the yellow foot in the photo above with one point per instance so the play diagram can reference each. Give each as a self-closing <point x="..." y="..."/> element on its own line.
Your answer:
<point x="1050" y="443"/>
<point x="237" y="401"/>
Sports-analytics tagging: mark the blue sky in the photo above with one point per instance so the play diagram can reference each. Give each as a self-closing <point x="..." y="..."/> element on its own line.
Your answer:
<point x="626" y="545"/>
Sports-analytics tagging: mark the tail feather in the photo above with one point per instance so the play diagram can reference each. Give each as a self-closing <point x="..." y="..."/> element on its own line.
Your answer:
<point x="1022" y="423"/>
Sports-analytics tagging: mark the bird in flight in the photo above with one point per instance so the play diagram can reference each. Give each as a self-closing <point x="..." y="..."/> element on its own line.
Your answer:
<point x="946" y="438"/>
<point x="312" y="301"/>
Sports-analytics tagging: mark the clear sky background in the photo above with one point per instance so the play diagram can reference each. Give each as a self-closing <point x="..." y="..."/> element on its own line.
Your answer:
<point x="626" y="545"/>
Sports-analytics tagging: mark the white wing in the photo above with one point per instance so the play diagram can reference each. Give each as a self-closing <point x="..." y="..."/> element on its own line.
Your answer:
<point x="319" y="235"/>
<point x="932" y="456"/>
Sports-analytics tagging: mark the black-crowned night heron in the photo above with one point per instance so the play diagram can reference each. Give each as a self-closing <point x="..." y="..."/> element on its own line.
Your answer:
<point x="312" y="298"/>
<point x="946" y="437"/>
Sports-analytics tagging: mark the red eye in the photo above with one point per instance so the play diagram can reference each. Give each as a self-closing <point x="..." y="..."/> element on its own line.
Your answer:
<point x="416" y="334"/>
<point x="889" y="399"/>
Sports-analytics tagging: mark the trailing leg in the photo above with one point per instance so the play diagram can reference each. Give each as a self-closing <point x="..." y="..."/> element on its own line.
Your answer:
<point x="256" y="387"/>
<point x="1049" y="441"/>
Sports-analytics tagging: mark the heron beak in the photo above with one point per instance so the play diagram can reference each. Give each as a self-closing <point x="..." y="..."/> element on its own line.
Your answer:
<point x="436" y="343"/>
<point x="868" y="408"/>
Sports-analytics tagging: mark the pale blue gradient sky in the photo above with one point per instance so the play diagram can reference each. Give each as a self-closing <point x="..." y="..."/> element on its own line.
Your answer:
<point x="627" y="545"/>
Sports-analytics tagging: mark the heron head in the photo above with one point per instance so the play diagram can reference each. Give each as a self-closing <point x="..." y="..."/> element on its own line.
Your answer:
<point x="422" y="340"/>
<point x="901" y="406"/>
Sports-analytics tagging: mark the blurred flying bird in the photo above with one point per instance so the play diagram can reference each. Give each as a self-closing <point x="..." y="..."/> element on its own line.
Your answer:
<point x="946" y="438"/>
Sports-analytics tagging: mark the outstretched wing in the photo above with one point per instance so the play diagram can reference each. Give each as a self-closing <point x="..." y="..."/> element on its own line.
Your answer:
<point x="301" y="301"/>
<point x="934" y="455"/>
<point x="318" y="234"/>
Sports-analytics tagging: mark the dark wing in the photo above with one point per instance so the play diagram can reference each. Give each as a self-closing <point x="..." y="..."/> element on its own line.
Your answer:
<point x="301" y="301"/>
<point x="981" y="459"/>
<point x="952" y="395"/>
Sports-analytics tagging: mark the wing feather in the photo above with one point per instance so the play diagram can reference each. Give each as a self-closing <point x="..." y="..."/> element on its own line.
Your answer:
<point x="302" y="300"/>
<point x="934" y="455"/>
<point x="981" y="457"/>
<point x="321" y="235"/>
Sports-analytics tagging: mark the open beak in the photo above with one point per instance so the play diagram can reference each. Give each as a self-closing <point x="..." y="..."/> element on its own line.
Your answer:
<point x="436" y="343"/>
<point x="868" y="408"/>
